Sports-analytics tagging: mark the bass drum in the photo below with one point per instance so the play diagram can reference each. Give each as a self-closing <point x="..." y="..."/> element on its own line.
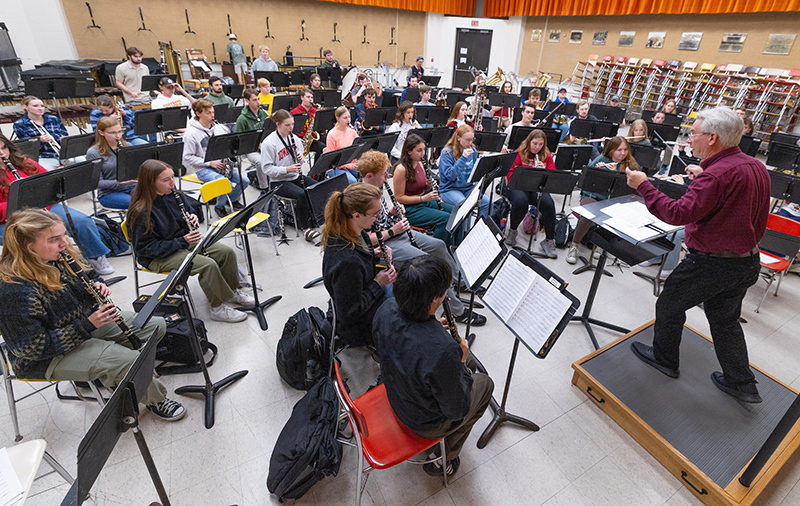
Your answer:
<point x="348" y="81"/>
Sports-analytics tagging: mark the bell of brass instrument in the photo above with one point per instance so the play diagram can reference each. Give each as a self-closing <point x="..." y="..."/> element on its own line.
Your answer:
<point x="498" y="77"/>
<point x="311" y="135"/>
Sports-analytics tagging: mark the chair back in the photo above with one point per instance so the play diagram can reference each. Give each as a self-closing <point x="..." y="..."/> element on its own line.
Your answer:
<point x="783" y="224"/>
<point x="347" y="403"/>
<point x="215" y="188"/>
<point x="124" y="227"/>
<point x="782" y="236"/>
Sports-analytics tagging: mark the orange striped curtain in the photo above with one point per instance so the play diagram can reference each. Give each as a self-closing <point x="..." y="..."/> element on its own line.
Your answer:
<point x="454" y="7"/>
<point x="498" y="8"/>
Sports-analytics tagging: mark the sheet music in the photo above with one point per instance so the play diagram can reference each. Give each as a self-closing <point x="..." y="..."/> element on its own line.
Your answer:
<point x="10" y="487"/>
<point x="580" y="210"/>
<point x="477" y="252"/>
<point x="766" y="259"/>
<point x="469" y="202"/>
<point x="526" y="302"/>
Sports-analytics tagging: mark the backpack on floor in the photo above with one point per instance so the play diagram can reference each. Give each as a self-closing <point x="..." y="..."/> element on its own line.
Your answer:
<point x="302" y="355"/>
<point x="307" y="450"/>
<point x="530" y="223"/>
<point x="500" y="209"/>
<point x="111" y="235"/>
<point x="271" y="224"/>
<point x="177" y="348"/>
<point x="564" y="232"/>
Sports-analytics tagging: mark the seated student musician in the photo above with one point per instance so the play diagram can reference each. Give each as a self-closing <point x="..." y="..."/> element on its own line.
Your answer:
<point x="106" y="108"/>
<point x="108" y="139"/>
<point x="430" y="378"/>
<point x="94" y="249"/>
<point x="361" y="114"/>
<point x="559" y="120"/>
<point x="638" y="132"/>
<point x="424" y="210"/>
<point x="342" y="136"/>
<point x="282" y="168"/>
<point x="404" y="120"/>
<point x="51" y="323"/>
<point x="396" y="232"/>
<point x="458" y="159"/>
<point x="349" y="268"/>
<point x="670" y="107"/>
<point x="307" y="107"/>
<point x="34" y="123"/>
<point x="534" y="97"/>
<point x="263" y="63"/>
<point x="528" y="112"/>
<point x="658" y="118"/>
<point x="195" y="144"/>
<point x="168" y="98"/>
<point x="458" y="115"/>
<point x="162" y="238"/>
<point x="616" y="156"/>
<point x="504" y="113"/>
<point x="582" y="111"/>
<point x="265" y="95"/>
<point x="413" y="82"/>
<point x="329" y="63"/>
<point x="215" y="93"/>
<point x="315" y="82"/>
<point x="533" y="152"/>
<point x="252" y="117"/>
<point x="425" y="95"/>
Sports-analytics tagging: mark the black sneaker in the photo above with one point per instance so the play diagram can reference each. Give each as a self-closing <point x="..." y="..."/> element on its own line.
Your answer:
<point x="647" y="355"/>
<point x="478" y="320"/>
<point x="435" y="468"/>
<point x="237" y="205"/>
<point x="745" y="393"/>
<point x="168" y="410"/>
<point x="221" y="211"/>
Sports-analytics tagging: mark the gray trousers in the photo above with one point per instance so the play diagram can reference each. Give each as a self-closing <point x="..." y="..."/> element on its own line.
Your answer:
<point x="107" y="356"/>
<point x="404" y="251"/>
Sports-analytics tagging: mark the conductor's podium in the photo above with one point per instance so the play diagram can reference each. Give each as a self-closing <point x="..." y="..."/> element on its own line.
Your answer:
<point x="703" y="436"/>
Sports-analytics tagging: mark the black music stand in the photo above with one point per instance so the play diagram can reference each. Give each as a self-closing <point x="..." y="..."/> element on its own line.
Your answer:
<point x="331" y="98"/>
<point x="286" y="102"/>
<point x="383" y="143"/>
<point x="489" y="141"/>
<point x="435" y="137"/>
<point x="661" y="133"/>
<point x="680" y="162"/>
<point x="379" y="116"/>
<point x="432" y="81"/>
<point x="505" y="100"/>
<point x="519" y="133"/>
<point x="535" y="344"/>
<point x="324" y="119"/>
<point x="572" y="157"/>
<point x="276" y="79"/>
<point x="783" y="138"/>
<point x="119" y="414"/>
<point x="607" y="113"/>
<point x="627" y="249"/>
<point x="332" y="159"/>
<point x="412" y="95"/>
<point x="318" y="195"/>
<point x="233" y="145"/>
<point x="567" y="108"/>
<point x="669" y="118"/>
<point x="453" y="97"/>
<point x="784" y="187"/>
<point x="648" y="157"/>
<point x="29" y="147"/>
<point x="588" y="129"/>
<point x="526" y="90"/>
<point x="784" y="156"/>
<point x="489" y="168"/>
<point x="300" y="120"/>
<point x="234" y="91"/>
<point x="542" y="181"/>
<point x="233" y="113"/>
<point x="73" y="146"/>
<point x="332" y="74"/>
<point x="150" y="82"/>
<point x="130" y="158"/>
<point x="221" y="113"/>
<point x="60" y="87"/>
<point x="750" y="145"/>
<point x="151" y="121"/>
<point x="378" y="100"/>
<point x="432" y="115"/>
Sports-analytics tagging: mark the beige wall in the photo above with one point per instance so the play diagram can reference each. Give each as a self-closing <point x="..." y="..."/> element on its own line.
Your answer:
<point x="562" y="56"/>
<point x="167" y="22"/>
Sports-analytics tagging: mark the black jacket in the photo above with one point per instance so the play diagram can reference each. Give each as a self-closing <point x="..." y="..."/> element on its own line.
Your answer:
<point x="166" y="231"/>
<point x="349" y="275"/>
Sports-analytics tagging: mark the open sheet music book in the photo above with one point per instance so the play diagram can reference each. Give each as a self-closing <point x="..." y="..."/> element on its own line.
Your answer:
<point x="527" y="303"/>
<point x="477" y="252"/>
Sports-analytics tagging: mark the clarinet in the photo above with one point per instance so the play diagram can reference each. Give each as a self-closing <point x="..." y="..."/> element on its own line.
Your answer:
<point x="11" y="168"/>
<point x="186" y="217"/>
<point x="281" y="211"/>
<point x="451" y="320"/>
<point x="434" y="185"/>
<point x="400" y="214"/>
<point x="75" y="268"/>
<point x="382" y="246"/>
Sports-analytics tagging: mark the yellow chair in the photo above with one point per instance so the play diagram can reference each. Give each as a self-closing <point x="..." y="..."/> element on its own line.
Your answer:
<point x="218" y="188"/>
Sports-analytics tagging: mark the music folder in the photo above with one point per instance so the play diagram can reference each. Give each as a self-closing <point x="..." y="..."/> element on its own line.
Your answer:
<point x="462" y="210"/>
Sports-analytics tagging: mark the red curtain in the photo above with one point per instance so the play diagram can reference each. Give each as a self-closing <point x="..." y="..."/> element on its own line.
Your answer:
<point x="454" y="7"/>
<point x="498" y="8"/>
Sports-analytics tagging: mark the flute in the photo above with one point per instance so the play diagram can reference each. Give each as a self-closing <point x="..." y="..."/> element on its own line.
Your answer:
<point x="626" y="138"/>
<point x="400" y="214"/>
<point x="186" y="216"/>
<point x="75" y="268"/>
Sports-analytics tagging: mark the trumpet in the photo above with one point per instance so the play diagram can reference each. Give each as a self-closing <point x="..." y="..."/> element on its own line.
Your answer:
<point x="118" y="112"/>
<point x="186" y="216"/>
<point x="54" y="145"/>
<point x="75" y="268"/>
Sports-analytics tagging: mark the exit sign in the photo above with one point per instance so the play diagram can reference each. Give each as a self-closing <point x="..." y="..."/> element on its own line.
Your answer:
<point x="474" y="22"/>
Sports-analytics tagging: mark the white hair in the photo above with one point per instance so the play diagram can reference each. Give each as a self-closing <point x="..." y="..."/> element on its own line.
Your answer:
<point x="724" y="122"/>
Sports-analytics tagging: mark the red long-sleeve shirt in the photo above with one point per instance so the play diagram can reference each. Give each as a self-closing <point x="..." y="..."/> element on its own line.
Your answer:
<point x="725" y="208"/>
<point x="548" y="164"/>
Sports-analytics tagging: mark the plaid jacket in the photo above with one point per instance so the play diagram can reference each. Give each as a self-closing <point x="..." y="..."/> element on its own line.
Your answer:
<point x="25" y="129"/>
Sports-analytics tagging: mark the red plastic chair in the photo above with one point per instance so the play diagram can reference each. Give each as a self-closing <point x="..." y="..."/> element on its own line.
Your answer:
<point x="382" y="440"/>
<point x="782" y="242"/>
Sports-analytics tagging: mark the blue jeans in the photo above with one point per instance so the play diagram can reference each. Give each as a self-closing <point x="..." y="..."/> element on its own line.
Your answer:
<point x="137" y="141"/>
<point x="116" y="200"/>
<point x="209" y="174"/>
<point x="454" y="197"/>
<point x="92" y="245"/>
<point x="351" y="174"/>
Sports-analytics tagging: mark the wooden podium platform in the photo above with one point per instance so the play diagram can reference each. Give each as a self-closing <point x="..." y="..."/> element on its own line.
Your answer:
<point x="703" y="436"/>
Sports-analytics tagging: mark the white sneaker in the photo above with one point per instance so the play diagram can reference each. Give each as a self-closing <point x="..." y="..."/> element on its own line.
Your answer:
<point x="101" y="265"/>
<point x="572" y="254"/>
<point x="225" y="313"/>
<point x="242" y="299"/>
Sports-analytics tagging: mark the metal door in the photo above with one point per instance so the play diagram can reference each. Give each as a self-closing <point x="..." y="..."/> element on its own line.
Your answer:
<point x="472" y="50"/>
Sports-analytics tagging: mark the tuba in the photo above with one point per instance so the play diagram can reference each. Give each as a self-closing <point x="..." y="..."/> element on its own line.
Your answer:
<point x="498" y="77"/>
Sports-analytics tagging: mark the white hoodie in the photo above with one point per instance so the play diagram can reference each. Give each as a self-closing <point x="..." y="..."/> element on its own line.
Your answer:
<point x="275" y="158"/>
<point x="195" y="143"/>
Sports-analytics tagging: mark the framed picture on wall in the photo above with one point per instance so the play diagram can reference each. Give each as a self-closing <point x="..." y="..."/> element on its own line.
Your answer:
<point x="626" y="39"/>
<point x="599" y="38"/>
<point x="536" y="35"/>
<point x="732" y="42"/>
<point x="779" y="43"/>
<point x="555" y="36"/>
<point x="655" y="40"/>
<point x="575" y="36"/>
<point x="690" y="41"/>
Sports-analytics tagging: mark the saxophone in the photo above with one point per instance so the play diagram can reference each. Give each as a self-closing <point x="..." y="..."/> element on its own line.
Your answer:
<point x="311" y="135"/>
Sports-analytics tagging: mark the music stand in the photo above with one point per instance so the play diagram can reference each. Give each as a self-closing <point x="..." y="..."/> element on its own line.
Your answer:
<point x="588" y="129"/>
<point x="648" y="157"/>
<point x="784" y="187"/>
<point x="383" y="143"/>
<point x="286" y="102"/>
<point x="233" y="145"/>
<point x="453" y="97"/>
<point x="519" y="133"/>
<point x="221" y="112"/>
<point x="331" y="98"/>
<point x="130" y="158"/>
<point x="60" y="87"/>
<point x="119" y="414"/>
<point x="680" y="162"/>
<point x="150" y="82"/>
<point x="379" y="116"/>
<point x="276" y="79"/>
<point x="332" y="74"/>
<point x="749" y="145"/>
<point x="234" y="91"/>
<point x="435" y="137"/>
<point x="463" y="209"/>
<point x="332" y="159"/>
<point x="73" y="146"/>
<point x="547" y="289"/>
<point x="412" y="95"/>
<point x="572" y="157"/>
<point x="784" y="156"/>
<point x="324" y="119"/>
<point x="783" y="138"/>
<point x="607" y="113"/>
<point x="661" y="133"/>
<point x="233" y="113"/>
<point x="151" y="121"/>
<point x="318" y="195"/>
<point x="29" y="147"/>
<point x="300" y="120"/>
<point x="669" y="118"/>
<point x="489" y="141"/>
<point x="567" y="109"/>
<point x="432" y="115"/>
<point x="505" y="100"/>
<point x="432" y="81"/>
<point x="525" y="91"/>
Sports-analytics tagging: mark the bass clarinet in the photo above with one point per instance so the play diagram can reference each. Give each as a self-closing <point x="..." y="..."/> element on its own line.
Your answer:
<point x="75" y="268"/>
<point x="400" y="214"/>
<point x="186" y="216"/>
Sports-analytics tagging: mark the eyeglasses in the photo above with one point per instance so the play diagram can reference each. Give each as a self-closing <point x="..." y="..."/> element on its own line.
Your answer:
<point x="693" y="135"/>
<point x="376" y="216"/>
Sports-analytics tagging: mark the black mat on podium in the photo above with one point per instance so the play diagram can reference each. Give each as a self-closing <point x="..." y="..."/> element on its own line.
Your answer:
<point x="717" y="433"/>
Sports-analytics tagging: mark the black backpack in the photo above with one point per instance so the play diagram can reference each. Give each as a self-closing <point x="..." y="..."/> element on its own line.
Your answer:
<point x="111" y="235"/>
<point x="307" y="450"/>
<point x="564" y="232"/>
<point x="176" y="348"/>
<point x="500" y="209"/>
<point x="302" y="355"/>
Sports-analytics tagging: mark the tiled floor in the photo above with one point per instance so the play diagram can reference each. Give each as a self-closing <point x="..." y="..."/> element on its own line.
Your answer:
<point x="579" y="457"/>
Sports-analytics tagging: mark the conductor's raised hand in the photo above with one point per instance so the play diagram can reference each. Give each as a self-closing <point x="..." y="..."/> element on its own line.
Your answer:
<point x="635" y="178"/>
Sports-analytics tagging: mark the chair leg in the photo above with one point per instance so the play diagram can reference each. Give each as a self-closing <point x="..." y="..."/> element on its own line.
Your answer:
<point x="58" y="468"/>
<point x="359" y="477"/>
<point x="97" y="395"/>
<point x="783" y="273"/>
<point x="294" y="215"/>
<point x="764" y="296"/>
<point x="444" y="461"/>
<point x="12" y="405"/>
